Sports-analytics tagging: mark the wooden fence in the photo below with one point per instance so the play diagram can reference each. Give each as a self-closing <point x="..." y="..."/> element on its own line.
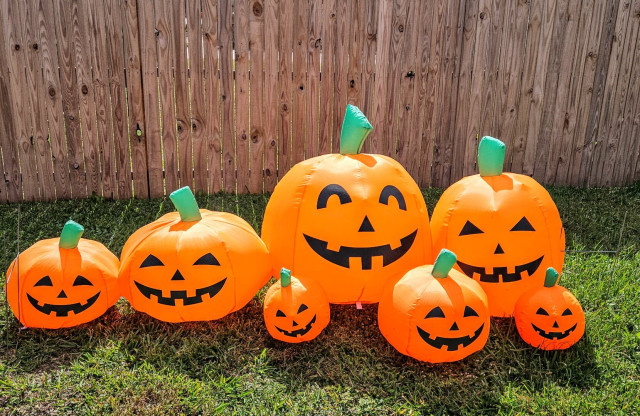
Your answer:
<point x="124" y="97"/>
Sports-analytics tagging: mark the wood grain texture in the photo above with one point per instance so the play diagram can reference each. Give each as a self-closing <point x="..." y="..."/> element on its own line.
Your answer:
<point x="225" y="46"/>
<point x="341" y="61"/>
<point x="313" y="42"/>
<point x="257" y="86"/>
<point x="285" y="68"/>
<point x="271" y="10"/>
<point x="327" y="32"/>
<point x="369" y="62"/>
<point x="241" y="41"/>
<point x="299" y="83"/>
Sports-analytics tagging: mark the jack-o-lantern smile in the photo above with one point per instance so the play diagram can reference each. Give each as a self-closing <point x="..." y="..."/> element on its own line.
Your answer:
<point x="500" y="274"/>
<point x="452" y="343"/>
<point x="300" y="331"/>
<point x="175" y="295"/>
<point x="63" y="309"/>
<point x="554" y="335"/>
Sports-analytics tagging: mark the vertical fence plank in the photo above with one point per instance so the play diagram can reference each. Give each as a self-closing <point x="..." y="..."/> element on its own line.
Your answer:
<point x="241" y="42"/>
<point x="257" y="85"/>
<point x="225" y="45"/>
<point x="101" y="86"/>
<point x="137" y="133"/>
<point x="181" y="85"/>
<point x="627" y="153"/>
<point x="369" y="61"/>
<point x="285" y="39"/>
<point x="313" y="41"/>
<point x="327" y="33"/>
<point x="196" y="93"/>
<point x="169" y="126"/>
<point x="212" y="94"/>
<point x="341" y="59"/>
<point x="300" y="86"/>
<point x="70" y="103"/>
<point x="271" y="11"/>
<point x="115" y="63"/>
<point x="151" y="100"/>
<point x="356" y="46"/>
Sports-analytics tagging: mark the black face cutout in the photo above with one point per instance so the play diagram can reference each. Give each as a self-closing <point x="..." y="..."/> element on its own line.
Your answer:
<point x="389" y="191"/>
<point x="500" y="273"/>
<point x="554" y="335"/>
<point x="151" y="261"/>
<point x="452" y="344"/>
<point x="298" y="332"/>
<point x="333" y="189"/>
<point x="82" y="281"/>
<point x="45" y="281"/>
<point x="435" y="313"/>
<point x="302" y="308"/>
<point x="208" y="259"/>
<point x="567" y="312"/>
<point x="280" y="314"/>
<point x="541" y="311"/>
<point x="469" y="311"/>
<point x="180" y="294"/>
<point x="469" y="228"/>
<point x="523" y="225"/>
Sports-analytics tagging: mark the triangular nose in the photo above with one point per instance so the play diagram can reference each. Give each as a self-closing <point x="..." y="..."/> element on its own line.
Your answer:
<point x="177" y="276"/>
<point x="454" y="327"/>
<point x="555" y="324"/>
<point x="295" y="323"/>
<point x="62" y="295"/>
<point x="366" y="225"/>
<point x="498" y="250"/>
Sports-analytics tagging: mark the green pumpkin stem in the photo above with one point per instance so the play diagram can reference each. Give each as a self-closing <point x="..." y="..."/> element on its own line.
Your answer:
<point x="285" y="277"/>
<point x="444" y="262"/>
<point x="551" y="278"/>
<point x="490" y="156"/>
<point x="186" y="204"/>
<point x="355" y="129"/>
<point x="70" y="235"/>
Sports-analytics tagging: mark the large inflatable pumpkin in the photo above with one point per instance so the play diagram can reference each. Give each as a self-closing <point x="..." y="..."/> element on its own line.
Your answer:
<point x="434" y="313"/>
<point x="194" y="264"/>
<point x="349" y="221"/>
<point x="62" y="282"/>
<point x="295" y="311"/>
<point x="549" y="317"/>
<point x="504" y="228"/>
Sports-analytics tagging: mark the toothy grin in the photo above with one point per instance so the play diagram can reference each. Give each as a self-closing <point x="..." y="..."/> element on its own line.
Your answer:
<point x="500" y="273"/>
<point x="554" y="335"/>
<point x="301" y="331"/>
<point x="452" y="344"/>
<point x="342" y="256"/>
<point x="180" y="294"/>
<point x="63" y="310"/>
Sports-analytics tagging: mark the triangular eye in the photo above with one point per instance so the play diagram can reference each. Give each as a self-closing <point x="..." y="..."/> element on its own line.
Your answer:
<point x="45" y="281"/>
<point x="435" y="313"/>
<point x="207" y="259"/>
<point x="280" y="314"/>
<point x="470" y="228"/>
<point x="567" y="312"/>
<point x="82" y="281"/>
<point x="468" y="311"/>
<point x="302" y="308"/>
<point x="150" y="261"/>
<point x="541" y="311"/>
<point x="523" y="225"/>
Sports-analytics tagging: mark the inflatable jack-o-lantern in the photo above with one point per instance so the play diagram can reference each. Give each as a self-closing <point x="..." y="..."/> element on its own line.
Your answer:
<point x="295" y="311"/>
<point x="434" y="313"/>
<point x="62" y="282"/>
<point x="194" y="264"/>
<point x="504" y="228"/>
<point x="350" y="221"/>
<point x="549" y="317"/>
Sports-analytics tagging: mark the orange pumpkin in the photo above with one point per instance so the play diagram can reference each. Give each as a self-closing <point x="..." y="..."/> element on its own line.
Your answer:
<point x="194" y="264"/>
<point x="549" y="317"/>
<point x="504" y="227"/>
<point x="295" y="311"/>
<point x="62" y="282"/>
<point x="434" y="313"/>
<point x="349" y="221"/>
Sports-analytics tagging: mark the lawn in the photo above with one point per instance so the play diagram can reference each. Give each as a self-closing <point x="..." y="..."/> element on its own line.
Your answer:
<point x="128" y="363"/>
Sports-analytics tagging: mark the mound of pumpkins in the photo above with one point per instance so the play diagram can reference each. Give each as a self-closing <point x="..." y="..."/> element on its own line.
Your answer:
<point x="339" y="228"/>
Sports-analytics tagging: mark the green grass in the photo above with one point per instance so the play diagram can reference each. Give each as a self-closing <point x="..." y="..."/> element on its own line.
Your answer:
<point x="126" y="362"/>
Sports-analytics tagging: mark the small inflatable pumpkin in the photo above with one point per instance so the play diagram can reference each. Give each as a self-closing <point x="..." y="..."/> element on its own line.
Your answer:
<point x="62" y="282"/>
<point x="194" y="264"/>
<point x="504" y="227"/>
<point x="434" y="313"/>
<point x="349" y="221"/>
<point x="549" y="317"/>
<point x="295" y="311"/>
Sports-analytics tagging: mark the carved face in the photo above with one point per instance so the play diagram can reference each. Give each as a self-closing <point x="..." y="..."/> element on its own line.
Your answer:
<point x="61" y="288"/>
<point x="435" y="320"/>
<point x="549" y="318"/>
<point x="349" y="222"/>
<point x="505" y="230"/>
<point x="187" y="271"/>
<point x="296" y="313"/>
